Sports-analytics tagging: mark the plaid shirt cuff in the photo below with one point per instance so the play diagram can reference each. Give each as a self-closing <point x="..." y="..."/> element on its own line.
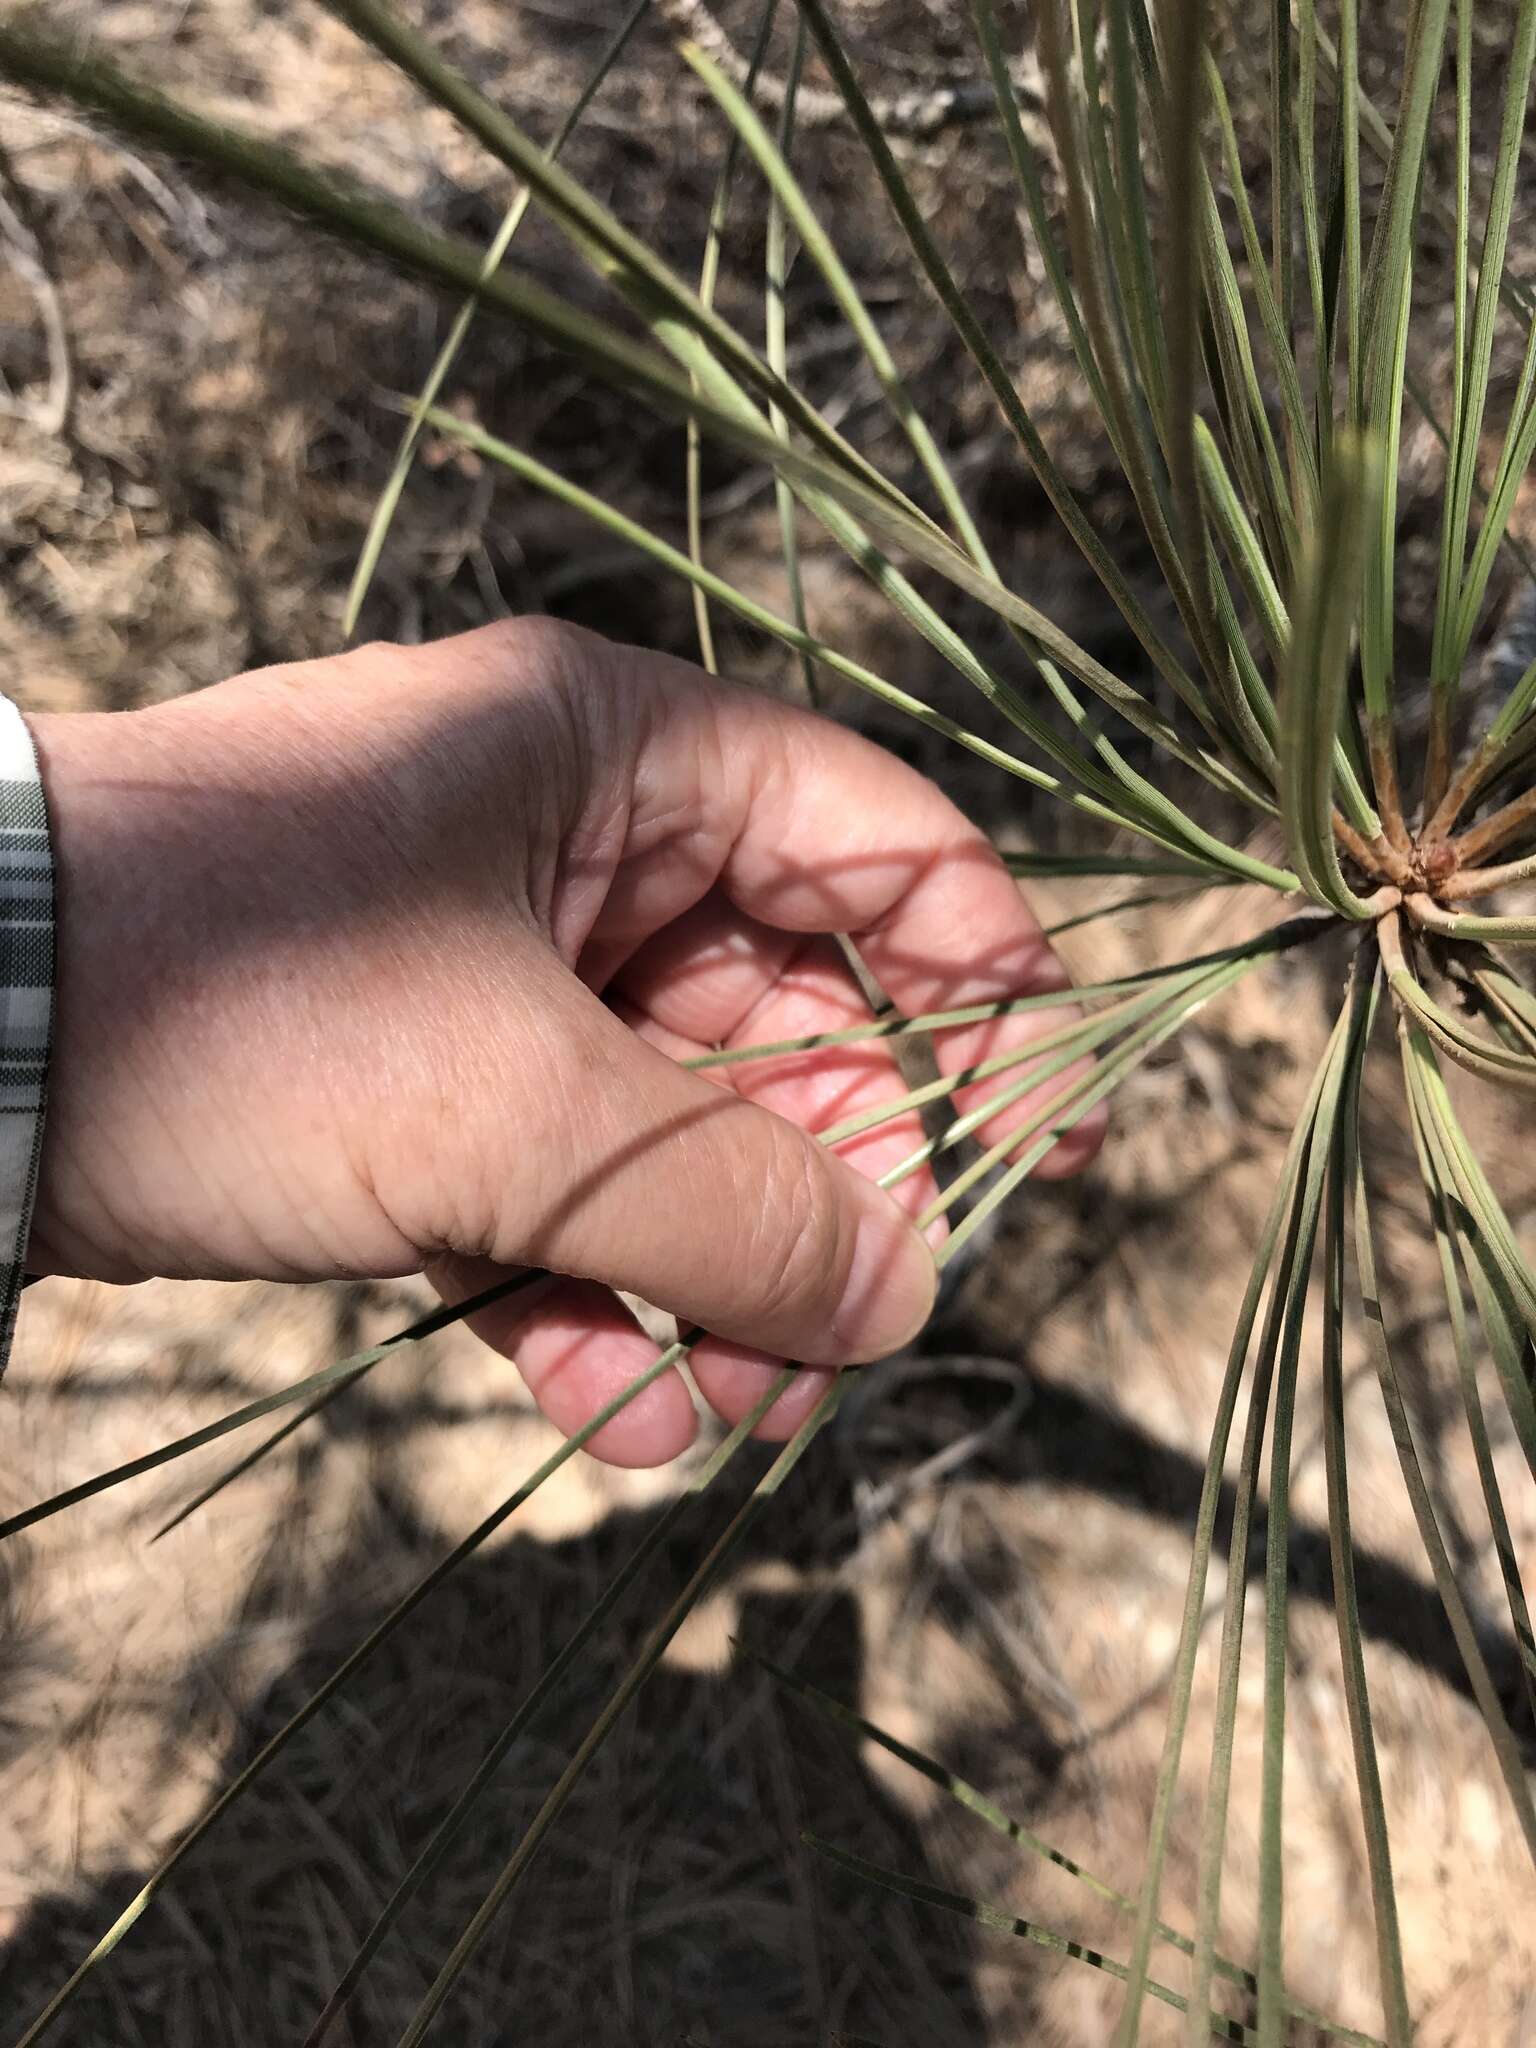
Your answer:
<point x="26" y="999"/>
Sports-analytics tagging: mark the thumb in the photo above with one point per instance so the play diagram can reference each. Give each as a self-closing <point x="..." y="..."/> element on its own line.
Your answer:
<point x="730" y="1217"/>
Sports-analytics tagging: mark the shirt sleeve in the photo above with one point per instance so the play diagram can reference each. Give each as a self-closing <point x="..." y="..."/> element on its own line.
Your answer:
<point x="26" y="999"/>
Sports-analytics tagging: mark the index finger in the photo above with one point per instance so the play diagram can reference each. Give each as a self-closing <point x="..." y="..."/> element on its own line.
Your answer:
<point x="836" y="834"/>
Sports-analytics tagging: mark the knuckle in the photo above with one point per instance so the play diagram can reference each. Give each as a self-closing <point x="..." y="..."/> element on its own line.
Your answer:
<point x="799" y="1249"/>
<point x="555" y="648"/>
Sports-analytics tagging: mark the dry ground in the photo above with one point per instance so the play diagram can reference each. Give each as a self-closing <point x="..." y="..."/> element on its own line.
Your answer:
<point x="1012" y="1609"/>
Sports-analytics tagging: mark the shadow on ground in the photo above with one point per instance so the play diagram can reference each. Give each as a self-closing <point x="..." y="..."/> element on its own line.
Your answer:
<point x="704" y="1917"/>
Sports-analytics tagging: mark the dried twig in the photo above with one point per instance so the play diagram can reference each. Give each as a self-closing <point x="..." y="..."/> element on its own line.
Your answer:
<point x="916" y="114"/>
<point x="27" y="252"/>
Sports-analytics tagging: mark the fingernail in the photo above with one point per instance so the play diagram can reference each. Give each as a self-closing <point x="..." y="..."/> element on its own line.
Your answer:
<point x="891" y="1282"/>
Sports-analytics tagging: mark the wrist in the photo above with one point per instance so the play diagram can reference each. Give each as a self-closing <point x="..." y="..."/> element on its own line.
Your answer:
<point x="100" y="888"/>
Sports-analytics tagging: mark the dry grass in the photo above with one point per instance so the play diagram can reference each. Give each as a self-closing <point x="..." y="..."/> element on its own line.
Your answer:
<point x="1015" y="1614"/>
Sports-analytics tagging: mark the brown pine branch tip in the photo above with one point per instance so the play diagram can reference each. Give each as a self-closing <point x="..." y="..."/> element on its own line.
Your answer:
<point x="1444" y="869"/>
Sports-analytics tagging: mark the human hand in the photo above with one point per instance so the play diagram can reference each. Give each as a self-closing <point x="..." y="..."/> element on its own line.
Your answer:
<point x="386" y="961"/>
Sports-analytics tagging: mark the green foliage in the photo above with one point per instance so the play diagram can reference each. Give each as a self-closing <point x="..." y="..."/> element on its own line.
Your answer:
<point x="1255" y="408"/>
